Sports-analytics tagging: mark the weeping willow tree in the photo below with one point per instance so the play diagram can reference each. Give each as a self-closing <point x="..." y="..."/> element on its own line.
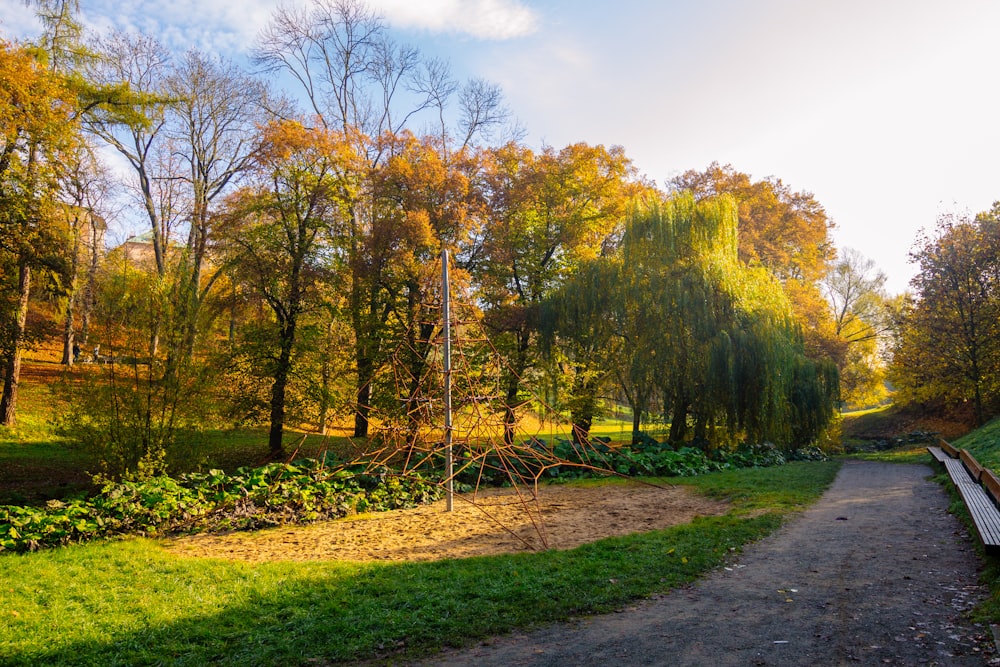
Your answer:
<point x="717" y="339"/>
<point x="578" y="337"/>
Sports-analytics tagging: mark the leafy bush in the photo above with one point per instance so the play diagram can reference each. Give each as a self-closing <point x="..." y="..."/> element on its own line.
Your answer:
<point x="250" y="498"/>
<point x="311" y="490"/>
<point x="647" y="458"/>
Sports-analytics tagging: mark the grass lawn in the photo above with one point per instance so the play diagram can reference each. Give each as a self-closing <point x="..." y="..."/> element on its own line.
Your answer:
<point x="132" y="603"/>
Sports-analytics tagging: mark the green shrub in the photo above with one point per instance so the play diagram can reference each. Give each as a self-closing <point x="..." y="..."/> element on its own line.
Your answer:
<point x="272" y="495"/>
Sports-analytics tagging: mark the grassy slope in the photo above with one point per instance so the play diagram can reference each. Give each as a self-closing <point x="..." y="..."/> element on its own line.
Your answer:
<point x="133" y="603"/>
<point x="983" y="444"/>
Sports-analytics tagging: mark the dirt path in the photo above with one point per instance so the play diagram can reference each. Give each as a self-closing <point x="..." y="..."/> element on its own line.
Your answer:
<point x="876" y="573"/>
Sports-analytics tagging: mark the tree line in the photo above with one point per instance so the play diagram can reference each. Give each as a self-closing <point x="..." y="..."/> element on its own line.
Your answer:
<point x="292" y="262"/>
<point x="947" y="349"/>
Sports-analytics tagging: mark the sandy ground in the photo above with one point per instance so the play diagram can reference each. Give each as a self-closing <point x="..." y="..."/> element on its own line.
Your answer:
<point x="492" y="522"/>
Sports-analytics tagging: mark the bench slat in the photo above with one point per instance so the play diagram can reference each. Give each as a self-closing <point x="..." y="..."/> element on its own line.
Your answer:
<point x="938" y="454"/>
<point x="985" y="515"/>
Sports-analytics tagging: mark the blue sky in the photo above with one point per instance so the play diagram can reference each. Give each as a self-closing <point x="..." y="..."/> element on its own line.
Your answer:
<point x="883" y="109"/>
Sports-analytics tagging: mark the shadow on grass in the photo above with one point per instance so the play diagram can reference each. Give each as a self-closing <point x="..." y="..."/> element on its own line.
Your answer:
<point x="152" y="608"/>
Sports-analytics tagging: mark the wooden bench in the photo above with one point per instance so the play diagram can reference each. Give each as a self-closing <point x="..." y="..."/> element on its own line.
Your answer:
<point x="979" y="488"/>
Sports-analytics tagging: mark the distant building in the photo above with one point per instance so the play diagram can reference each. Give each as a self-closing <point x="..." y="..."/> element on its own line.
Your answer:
<point x="138" y="251"/>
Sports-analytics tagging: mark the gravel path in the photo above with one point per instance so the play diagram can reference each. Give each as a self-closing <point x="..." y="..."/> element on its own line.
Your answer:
<point x="875" y="573"/>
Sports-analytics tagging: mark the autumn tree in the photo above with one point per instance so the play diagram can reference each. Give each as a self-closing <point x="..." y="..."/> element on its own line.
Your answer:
<point x="423" y="199"/>
<point x="86" y="191"/>
<point x="356" y="79"/>
<point x="283" y="237"/>
<point x="854" y="288"/>
<point x="217" y="109"/>
<point x="785" y="231"/>
<point x="548" y="212"/>
<point x="949" y="344"/>
<point x="38" y="132"/>
<point x="726" y="354"/>
<point x="578" y="333"/>
<point x="143" y="64"/>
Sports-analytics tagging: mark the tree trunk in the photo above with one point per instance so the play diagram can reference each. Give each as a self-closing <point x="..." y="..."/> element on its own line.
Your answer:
<point x="678" y="419"/>
<point x="70" y="349"/>
<point x="701" y="430"/>
<point x="325" y="374"/>
<point x="518" y="366"/>
<point x="636" y="398"/>
<point x="87" y="307"/>
<point x="582" y="421"/>
<point x="275" y="440"/>
<point x="636" y="425"/>
<point x="583" y="408"/>
<point x="419" y="343"/>
<point x="12" y="367"/>
<point x="366" y="372"/>
<point x="69" y="338"/>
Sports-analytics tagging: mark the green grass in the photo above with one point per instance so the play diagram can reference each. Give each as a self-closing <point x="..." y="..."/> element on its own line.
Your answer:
<point x="34" y="462"/>
<point x="906" y="454"/>
<point x="848" y="414"/>
<point x="983" y="444"/>
<point x="133" y="603"/>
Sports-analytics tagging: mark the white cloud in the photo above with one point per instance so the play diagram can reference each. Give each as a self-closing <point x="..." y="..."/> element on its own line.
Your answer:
<point x="17" y="20"/>
<point x="227" y="27"/>
<point x="483" y="19"/>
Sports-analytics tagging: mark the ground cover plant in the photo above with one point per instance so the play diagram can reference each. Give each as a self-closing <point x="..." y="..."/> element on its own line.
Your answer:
<point x="133" y="603"/>
<point x="310" y="490"/>
<point x="250" y="498"/>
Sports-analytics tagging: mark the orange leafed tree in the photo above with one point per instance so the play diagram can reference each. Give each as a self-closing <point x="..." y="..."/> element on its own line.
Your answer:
<point x="37" y="134"/>
<point x="549" y="212"/>
<point x="278" y="235"/>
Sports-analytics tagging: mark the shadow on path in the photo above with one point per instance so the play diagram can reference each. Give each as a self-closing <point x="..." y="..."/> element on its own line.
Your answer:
<point x="875" y="573"/>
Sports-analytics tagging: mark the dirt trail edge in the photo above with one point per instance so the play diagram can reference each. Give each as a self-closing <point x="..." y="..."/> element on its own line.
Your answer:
<point x="875" y="573"/>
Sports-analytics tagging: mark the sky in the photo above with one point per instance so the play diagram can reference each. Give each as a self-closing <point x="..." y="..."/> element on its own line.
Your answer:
<point x="885" y="110"/>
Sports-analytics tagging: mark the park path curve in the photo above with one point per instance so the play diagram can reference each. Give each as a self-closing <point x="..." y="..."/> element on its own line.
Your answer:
<point x="875" y="573"/>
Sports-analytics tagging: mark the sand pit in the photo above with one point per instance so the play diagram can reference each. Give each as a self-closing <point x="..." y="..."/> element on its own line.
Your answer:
<point x="495" y="521"/>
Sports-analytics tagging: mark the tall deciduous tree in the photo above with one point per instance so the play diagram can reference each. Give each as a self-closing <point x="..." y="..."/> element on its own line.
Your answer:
<point x="725" y="351"/>
<point x="579" y="333"/>
<point x="785" y="231"/>
<point x="143" y="64"/>
<point x="357" y="80"/>
<point x="38" y="132"/>
<point x="854" y="288"/>
<point x="423" y="199"/>
<point x="86" y="189"/>
<point x="949" y="345"/>
<point x="548" y="212"/>
<point x="218" y="110"/>
<point x="284" y="234"/>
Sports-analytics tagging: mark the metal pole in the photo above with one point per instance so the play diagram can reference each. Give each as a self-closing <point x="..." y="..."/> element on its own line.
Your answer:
<point x="446" y="316"/>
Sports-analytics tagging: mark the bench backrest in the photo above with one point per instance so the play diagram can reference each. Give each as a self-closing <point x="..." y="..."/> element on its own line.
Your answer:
<point x="991" y="484"/>
<point x="971" y="464"/>
<point x="948" y="449"/>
